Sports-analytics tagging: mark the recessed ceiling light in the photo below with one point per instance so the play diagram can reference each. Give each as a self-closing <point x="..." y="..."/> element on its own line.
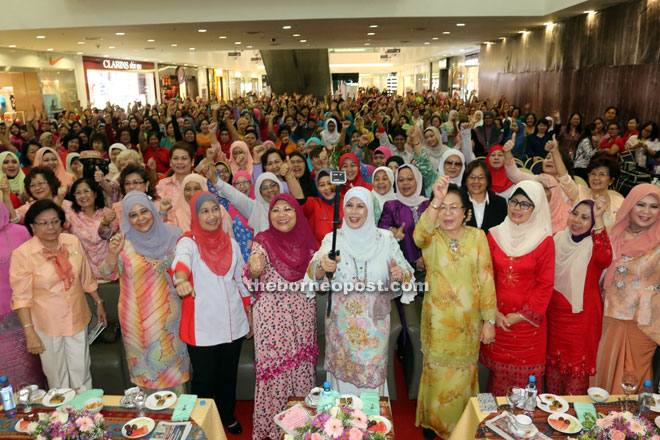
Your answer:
<point x="111" y="47"/>
<point x="303" y="41"/>
<point x="460" y="24"/>
<point x="12" y="45"/>
<point x="286" y="27"/>
<point x="367" y="44"/>
<point x="151" y="40"/>
<point x="201" y="30"/>
<point x="41" y="37"/>
<point x="105" y="55"/>
<point x="586" y="12"/>
<point x="81" y="42"/>
<point x="185" y="65"/>
<point x="119" y="33"/>
<point x="502" y="38"/>
<point x="446" y="33"/>
<point x="522" y="32"/>
<point x="549" y="24"/>
<point x="79" y="53"/>
<point x="222" y="37"/>
<point x="435" y="38"/>
<point x="296" y="35"/>
<point x="49" y="50"/>
<point x="237" y="42"/>
<point x="371" y="33"/>
<point x="426" y="42"/>
<point x="249" y="47"/>
<point x="373" y="26"/>
<point x="174" y="45"/>
<point x="192" y="48"/>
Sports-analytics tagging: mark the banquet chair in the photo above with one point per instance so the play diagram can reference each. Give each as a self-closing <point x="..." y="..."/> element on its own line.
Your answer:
<point x="580" y="181"/>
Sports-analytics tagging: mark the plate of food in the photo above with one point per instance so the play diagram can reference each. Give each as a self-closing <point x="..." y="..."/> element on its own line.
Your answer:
<point x="139" y="427"/>
<point x="378" y="424"/>
<point x="160" y="400"/>
<point x="23" y="424"/>
<point x="564" y="423"/>
<point x="551" y="403"/>
<point x="57" y="396"/>
<point x="94" y="405"/>
<point x="350" y="401"/>
<point x="656" y="403"/>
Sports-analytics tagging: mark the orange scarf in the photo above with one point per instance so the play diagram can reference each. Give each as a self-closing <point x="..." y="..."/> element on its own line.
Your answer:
<point x="63" y="266"/>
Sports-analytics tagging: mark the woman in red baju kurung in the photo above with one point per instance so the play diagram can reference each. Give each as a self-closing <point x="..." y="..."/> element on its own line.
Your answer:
<point x="523" y="256"/>
<point x="575" y="312"/>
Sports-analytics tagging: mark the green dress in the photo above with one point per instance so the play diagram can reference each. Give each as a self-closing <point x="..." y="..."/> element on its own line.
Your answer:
<point x="460" y="297"/>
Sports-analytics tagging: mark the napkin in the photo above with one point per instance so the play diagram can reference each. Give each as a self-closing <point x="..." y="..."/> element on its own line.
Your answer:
<point x="78" y="402"/>
<point x="581" y="408"/>
<point x="184" y="407"/>
<point x="370" y="403"/>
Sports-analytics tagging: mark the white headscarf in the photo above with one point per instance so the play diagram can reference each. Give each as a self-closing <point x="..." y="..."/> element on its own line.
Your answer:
<point x="113" y="168"/>
<point x="416" y="198"/>
<point x="389" y="195"/>
<point x="259" y="216"/>
<point x="571" y="263"/>
<point x="518" y="240"/>
<point x="365" y="242"/>
<point x="329" y="138"/>
<point x="441" y="168"/>
<point x="435" y="153"/>
<point x="480" y="122"/>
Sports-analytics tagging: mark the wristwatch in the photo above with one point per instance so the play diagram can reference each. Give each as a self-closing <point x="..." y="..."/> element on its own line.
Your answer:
<point x="491" y="321"/>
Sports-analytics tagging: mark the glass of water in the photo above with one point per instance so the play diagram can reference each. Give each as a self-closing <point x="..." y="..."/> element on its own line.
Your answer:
<point x="24" y="396"/>
<point x="139" y="400"/>
<point x="629" y="385"/>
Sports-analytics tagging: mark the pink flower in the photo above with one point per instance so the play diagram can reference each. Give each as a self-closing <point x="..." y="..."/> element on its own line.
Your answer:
<point x="655" y="437"/>
<point x="637" y="428"/>
<point x="604" y="422"/>
<point x="53" y="416"/>
<point x="315" y="436"/>
<point x="358" y="414"/>
<point x="85" y="423"/>
<point x="359" y="424"/>
<point x="355" y="434"/>
<point x="333" y="427"/>
<point x="98" y="417"/>
<point x="617" y="435"/>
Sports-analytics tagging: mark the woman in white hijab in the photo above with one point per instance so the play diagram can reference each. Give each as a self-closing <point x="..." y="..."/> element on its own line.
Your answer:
<point x="452" y="164"/>
<point x="433" y="146"/>
<point x="330" y="135"/>
<point x="477" y="119"/>
<point x="358" y="325"/>
<point x="523" y="255"/>
<point x="382" y="180"/>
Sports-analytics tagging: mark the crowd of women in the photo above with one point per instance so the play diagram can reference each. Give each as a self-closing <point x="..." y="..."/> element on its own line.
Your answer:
<point x="196" y="207"/>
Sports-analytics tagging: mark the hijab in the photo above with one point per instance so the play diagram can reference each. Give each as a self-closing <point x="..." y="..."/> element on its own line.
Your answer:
<point x="435" y="153"/>
<point x="323" y="172"/>
<point x="306" y="181"/>
<point x="559" y="208"/>
<point x="289" y="252"/>
<point x="249" y="161"/>
<point x="357" y="180"/>
<point x="389" y="195"/>
<point x="69" y="161"/>
<point x="416" y="198"/>
<point x="500" y="181"/>
<point x="157" y="241"/>
<point x="181" y="210"/>
<point x="16" y="183"/>
<point x="398" y="159"/>
<point x="572" y="256"/>
<point x="519" y="135"/>
<point x="258" y="220"/>
<point x="385" y="151"/>
<point x="365" y="242"/>
<point x="518" y="240"/>
<point x="214" y="247"/>
<point x="640" y="244"/>
<point x="488" y="135"/>
<point x="226" y="165"/>
<point x="114" y="167"/>
<point x="328" y="137"/>
<point x="313" y="139"/>
<point x="65" y="178"/>
<point x="480" y="122"/>
<point x="441" y="168"/>
<point x="233" y="212"/>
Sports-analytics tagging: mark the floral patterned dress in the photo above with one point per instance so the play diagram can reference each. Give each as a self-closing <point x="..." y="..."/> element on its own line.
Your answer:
<point x="460" y="297"/>
<point x="87" y="230"/>
<point x="285" y="347"/>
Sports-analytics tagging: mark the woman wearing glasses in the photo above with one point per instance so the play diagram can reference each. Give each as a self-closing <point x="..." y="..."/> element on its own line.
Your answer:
<point x="488" y="209"/>
<point x="50" y="276"/>
<point x="40" y="184"/>
<point x="459" y="308"/>
<point x="523" y="255"/>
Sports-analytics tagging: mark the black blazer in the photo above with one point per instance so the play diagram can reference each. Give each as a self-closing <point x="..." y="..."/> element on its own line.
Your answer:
<point x="494" y="214"/>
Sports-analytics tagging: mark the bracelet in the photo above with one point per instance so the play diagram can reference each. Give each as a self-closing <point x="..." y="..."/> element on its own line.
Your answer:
<point x="435" y="206"/>
<point x="28" y="325"/>
<point x="598" y="229"/>
<point x="100" y="301"/>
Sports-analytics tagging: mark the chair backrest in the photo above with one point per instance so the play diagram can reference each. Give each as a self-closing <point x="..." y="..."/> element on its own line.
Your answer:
<point x="580" y="181"/>
<point x="537" y="166"/>
<point x="614" y="193"/>
<point x="526" y="171"/>
<point x="519" y="162"/>
<point x="529" y="162"/>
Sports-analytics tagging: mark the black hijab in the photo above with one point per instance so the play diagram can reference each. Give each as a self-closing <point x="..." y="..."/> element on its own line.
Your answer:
<point x="306" y="182"/>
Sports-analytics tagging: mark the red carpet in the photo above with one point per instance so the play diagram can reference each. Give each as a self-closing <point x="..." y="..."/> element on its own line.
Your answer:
<point x="402" y="409"/>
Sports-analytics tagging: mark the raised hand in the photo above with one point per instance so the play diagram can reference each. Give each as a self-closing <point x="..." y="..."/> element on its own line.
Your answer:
<point x="508" y="146"/>
<point x="151" y="164"/>
<point x="346" y="124"/>
<point x="286" y="167"/>
<point x="551" y="145"/>
<point x="398" y="232"/>
<point x="184" y="289"/>
<point x="109" y="216"/>
<point x="440" y="187"/>
<point x="328" y="265"/>
<point x="396" y="272"/>
<point x="257" y="262"/>
<point x="165" y="205"/>
<point x="98" y="175"/>
<point x="116" y="244"/>
<point x="257" y="152"/>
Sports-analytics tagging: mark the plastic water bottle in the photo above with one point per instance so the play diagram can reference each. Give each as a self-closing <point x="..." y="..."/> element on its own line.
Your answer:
<point x="325" y="401"/>
<point x="645" y="398"/>
<point x="7" y="394"/>
<point x="530" y="397"/>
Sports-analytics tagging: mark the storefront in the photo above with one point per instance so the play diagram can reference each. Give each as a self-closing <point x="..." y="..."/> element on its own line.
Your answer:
<point x="119" y="81"/>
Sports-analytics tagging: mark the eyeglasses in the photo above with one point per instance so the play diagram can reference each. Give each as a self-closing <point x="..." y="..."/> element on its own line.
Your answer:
<point x="38" y="184"/>
<point x="270" y="187"/>
<point x="451" y="163"/>
<point x="592" y="174"/>
<point x="82" y="192"/>
<point x="297" y="162"/>
<point x="133" y="182"/>
<point x="223" y="170"/>
<point x="45" y="224"/>
<point x="479" y="177"/>
<point x="523" y="205"/>
<point x="453" y="209"/>
<point x="242" y="183"/>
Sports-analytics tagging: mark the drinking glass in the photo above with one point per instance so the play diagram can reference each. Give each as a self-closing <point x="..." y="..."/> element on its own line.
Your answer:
<point x="515" y="396"/>
<point x="629" y="385"/>
<point x="139" y="400"/>
<point x="24" y="396"/>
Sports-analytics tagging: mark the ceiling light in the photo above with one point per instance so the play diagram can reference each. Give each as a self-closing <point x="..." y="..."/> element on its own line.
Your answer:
<point x="367" y="44"/>
<point x="373" y="26"/>
<point x="296" y="35"/>
<point x="49" y="50"/>
<point x="446" y="33"/>
<point x="151" y="41"/>
<point x="371" y="33"/>
<point x="81" y="42"/>
<point x="460" y="24"/>
<point x="435" y="38"/>
<point x="237" y="42"/>
<point x="502" y="38"/>
<point x="79" y="53"/>
<point x="174" y="45"/>
<point x="119" y="33"/>
<point x="426" y="42"/>
<point x="303" y="41"/>
<point x="41" y="37"/>
<point x="201" y="30"/>
<point x="261" y="67"/>
<point x="12" y="45"/>
<point x="487" y="42"/>
<point x="522" y="32"/>
<point x="111" y="47"/>
<point x="222" y="37"/>
<point x="185" y="65"/>
<point x="105" y="55"/>
<point x="192" y="48"/>
<point x="586" y="12"/>
<point x="549" y="24"/>
<point x="249" y="47"/>
<point x="286" y="27"/>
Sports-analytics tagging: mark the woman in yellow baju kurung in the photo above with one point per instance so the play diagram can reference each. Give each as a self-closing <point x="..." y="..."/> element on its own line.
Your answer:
<point x="458" y="312"/>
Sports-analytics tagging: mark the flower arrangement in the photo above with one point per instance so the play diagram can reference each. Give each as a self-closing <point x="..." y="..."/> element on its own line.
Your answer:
<point x="337" y="423"/>
<point x="622" y="426"/>
<point x="69" y="424"/>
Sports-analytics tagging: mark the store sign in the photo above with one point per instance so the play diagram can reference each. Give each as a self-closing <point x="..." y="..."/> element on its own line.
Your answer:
<point x="121" y="65"/>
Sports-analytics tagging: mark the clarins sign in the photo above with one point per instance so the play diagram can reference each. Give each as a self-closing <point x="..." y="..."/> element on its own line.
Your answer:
<point x="121" y="65"/>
